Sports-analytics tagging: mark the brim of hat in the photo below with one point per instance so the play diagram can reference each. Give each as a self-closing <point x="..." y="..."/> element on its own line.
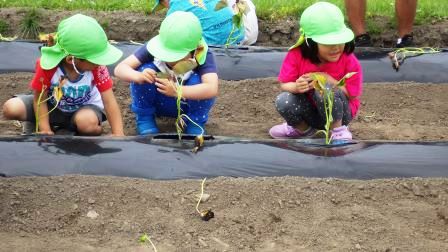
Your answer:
<point x="157" y="49"/>
<point x="108" y="57"/>
<point x="341" y="37"/>
<point x="51" y="57"/>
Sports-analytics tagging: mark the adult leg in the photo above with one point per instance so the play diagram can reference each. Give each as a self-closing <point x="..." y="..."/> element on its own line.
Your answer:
<point x="356" y="12"/>
<point x="405" y="11"/>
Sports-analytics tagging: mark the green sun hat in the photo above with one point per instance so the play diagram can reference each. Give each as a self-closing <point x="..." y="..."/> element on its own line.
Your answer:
<point x="82" y="37"/>
<point x="157" y="6"/>
<point x="323" y="22"/>
<point x="179" y="34"/>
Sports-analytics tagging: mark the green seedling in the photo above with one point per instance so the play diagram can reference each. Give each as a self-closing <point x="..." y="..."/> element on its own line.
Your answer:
<point x="144" y="238"/>
<point x="180" y="120"/>
<point x="398" y="56"/>
<point x="206" y="215"/>
<point x="57" y="95"/>
<point x="240" y="8"/>
<point x="325" y="89"/>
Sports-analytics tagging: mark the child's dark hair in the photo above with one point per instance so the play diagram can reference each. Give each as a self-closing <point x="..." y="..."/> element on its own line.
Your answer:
<point x="310" y="51"/>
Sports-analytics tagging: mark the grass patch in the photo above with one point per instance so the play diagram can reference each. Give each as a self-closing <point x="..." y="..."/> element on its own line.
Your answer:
<point x="268" y="9"/>
<point x="3" y="26"/>
<point x="29" y="26"/>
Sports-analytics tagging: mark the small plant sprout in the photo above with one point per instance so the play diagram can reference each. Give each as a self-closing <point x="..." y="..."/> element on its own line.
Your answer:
<point x="325" y="89"/>
<point x="206" y="215"/>
<point x="398" y="56"/>
<point x="144" y="238"/>
<point x="240" y="8"/>
<point x="56" y="95"/>
<point x="180" y="120"/>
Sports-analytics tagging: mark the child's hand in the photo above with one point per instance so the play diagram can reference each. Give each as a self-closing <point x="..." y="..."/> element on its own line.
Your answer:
<point x="304" y="84"/>
<point x="166" y="87"/>
<point x="121" y="134"/>
<point x="147" y="76"/>
<point x="46" y="132"/>
<point x="330" y="79"/>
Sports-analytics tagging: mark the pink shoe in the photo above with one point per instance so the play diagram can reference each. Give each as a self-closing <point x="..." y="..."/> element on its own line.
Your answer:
<point x="284" y="131"/>
<point x="341" y="134"/>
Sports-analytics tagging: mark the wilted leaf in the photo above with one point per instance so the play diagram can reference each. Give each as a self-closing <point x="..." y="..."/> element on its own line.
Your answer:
<point x="221" y="5"/>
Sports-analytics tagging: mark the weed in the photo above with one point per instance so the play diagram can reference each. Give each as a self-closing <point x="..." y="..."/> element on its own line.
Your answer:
<point x="30" y="24"/>
<point x="3" y="26"/>
<point x="105" y="25"/>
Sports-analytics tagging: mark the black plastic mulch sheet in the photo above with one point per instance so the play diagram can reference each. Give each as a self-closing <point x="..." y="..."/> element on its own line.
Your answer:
<point x="257" y="62"/>
<point x="153" y="158"/>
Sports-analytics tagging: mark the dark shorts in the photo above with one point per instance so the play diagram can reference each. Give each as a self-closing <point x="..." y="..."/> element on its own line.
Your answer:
<point x="59" y="118"/>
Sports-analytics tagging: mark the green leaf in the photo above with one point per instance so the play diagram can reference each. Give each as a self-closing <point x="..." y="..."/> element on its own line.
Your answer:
<point x="238" y="20"/>
<point x="341" y="82"/>
<point x="143" y="238"/>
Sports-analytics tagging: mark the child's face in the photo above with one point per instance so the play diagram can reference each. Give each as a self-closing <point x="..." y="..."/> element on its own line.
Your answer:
<point x="330" y="53"/>
<point x="184" y="65"/>
<point x="82" y="65"/>
<point x="171" y="64"/>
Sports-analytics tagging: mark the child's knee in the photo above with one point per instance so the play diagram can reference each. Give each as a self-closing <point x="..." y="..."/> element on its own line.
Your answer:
<point x="284" y="101"/>
<point x="87" y="122"/>
<point x="14" y="109"/>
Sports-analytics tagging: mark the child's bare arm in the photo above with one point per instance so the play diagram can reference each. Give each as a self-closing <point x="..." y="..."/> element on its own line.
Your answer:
<point x="206" y="90"/>
<point x="302" y="85"/>
<point x="112" y="112"/>
<point x="125" y="70"/>
<point x="43" y="117"/>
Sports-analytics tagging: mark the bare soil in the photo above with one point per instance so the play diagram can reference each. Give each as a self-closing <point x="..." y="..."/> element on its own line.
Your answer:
<point x="390" y="111"/>
<point x="138" y="26"/>
<point x="86" y="213"/>
<point x="77" y="213"/>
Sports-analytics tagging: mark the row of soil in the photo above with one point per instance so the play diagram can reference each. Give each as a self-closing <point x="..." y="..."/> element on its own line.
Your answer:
<point x="138" y="26"/>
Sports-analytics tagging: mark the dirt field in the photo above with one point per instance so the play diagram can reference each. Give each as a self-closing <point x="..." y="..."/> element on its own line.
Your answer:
<point x="75" y="213"/>
<point x="78" y="213"/>
<point x="404" y="111"/>
<point x="81" y="213"/>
